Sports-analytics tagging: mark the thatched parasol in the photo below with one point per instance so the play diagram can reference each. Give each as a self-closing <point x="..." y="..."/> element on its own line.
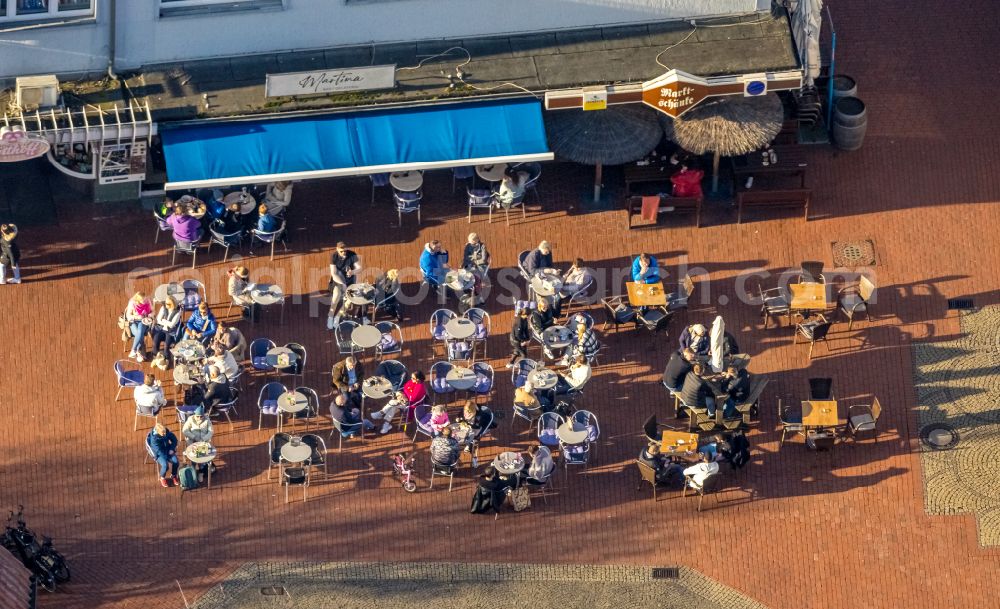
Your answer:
<point x="726" y="126"/>
<point x="617" y="135"/>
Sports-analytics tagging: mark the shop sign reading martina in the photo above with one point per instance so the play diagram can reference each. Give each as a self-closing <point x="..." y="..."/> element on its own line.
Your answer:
<point x="16" y="145"/>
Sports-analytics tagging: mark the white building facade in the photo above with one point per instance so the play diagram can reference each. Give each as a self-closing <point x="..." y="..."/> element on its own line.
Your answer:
<point x="78" y="37"/>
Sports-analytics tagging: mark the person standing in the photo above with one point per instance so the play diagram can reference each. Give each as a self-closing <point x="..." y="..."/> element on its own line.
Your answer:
<point x="520" y="337"/>
<point x="434" y="263"/>
<point x="345" y="265"/>
<point x="10" y="254"/>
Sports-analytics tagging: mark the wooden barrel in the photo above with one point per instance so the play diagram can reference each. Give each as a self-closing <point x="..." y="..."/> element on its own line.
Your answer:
<point x="843" y="86"/>
<point x="850" y="122"/>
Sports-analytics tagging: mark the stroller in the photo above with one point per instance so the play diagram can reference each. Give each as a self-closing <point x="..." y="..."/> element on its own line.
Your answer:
<point x="402" y="466"/>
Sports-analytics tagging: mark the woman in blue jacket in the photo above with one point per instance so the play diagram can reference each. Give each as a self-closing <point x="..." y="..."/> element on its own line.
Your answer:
<point x="163" y="443"/>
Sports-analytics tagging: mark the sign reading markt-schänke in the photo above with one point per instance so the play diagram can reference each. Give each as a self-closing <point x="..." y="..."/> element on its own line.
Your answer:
<point x="325" y="82"/>
<point x="675" y="92"/>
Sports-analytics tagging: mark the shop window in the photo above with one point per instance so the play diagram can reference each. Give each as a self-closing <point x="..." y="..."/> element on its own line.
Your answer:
<point x="171" y="8"/>
<point x="41" y="10"/>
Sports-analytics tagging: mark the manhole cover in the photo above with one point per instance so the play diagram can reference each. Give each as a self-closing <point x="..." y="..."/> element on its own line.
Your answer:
<point x="859" y="252"/>
<point x="939" y="436"/>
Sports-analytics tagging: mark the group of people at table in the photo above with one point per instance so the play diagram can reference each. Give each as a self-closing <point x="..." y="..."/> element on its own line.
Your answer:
<point x="188" y="216"/>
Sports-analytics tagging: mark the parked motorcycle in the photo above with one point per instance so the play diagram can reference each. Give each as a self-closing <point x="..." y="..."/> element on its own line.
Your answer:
<point x="45" y="562"/>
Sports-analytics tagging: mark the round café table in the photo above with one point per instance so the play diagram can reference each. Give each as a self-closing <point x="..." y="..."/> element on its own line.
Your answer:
<point x="557" y="337"/>
<point x="509" y="463"/>
<point x="293" y="453"/>
<point x="246" y="207"/>
<point x="460" y="280"/>
<point x="568" y="433"/>
<point x="546" y="282"/>
<point x="360" y="294"/>
<point x="461" y="378"/>
<point x="376" y="388"/>
<point x="267" y="294"/>
<point x="272" y="357"/>
<point x="291" y="402"/>
<point x="543" y="378"/>
<point x="491" y="173"/>
<point x="460" y="328"/>
<point x="186" y="375"/>
<point x="171" y="290"/>
<point x="406" y="181"/>
<point x="365" y="337"/>
<point x="188" y="351"/>
<point x="201" y="453"/>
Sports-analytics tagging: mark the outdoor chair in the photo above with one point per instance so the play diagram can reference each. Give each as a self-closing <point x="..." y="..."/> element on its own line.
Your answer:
<point x="194" y="294"/>
<point x="128" y="374"/>
<point x="699" y="489"/>
<point x="258" y="354"/>
<point x="653" y="429"/>
<point x="444" y="469"/>
<point x="479" y="198"/>
<point x="189" y="248"/>
<point x="391" y="341"/>
<point x="821" y="389"/>
<point x="239" y="351"/>
<point x="483" y="326"/>
<point x="856" y="299"/>
<point x="618" y="312"/>
<point x="863" y="420"/>
<point x="748" y="407"/>
<point x="655" y="319"/>
<point x="814" y="330"/>
<point x="680" y="299"/>
<point x="520" y="264"/>
<point x="547" y="425"/>
<point x="421" y="420"/>
<point x="519" y="373"/>
<point x="269" y="237"/>
<point x="534" y="171"/>
<point x="790" y="419"/>
<point x="224" y="240"/>
<point x="311" y="410"/>
<point x="343" y="429"/>
<point x="378" y="180"/>
<point x="150" y="455"/>
<point x="380" y="305"/>
<point x="516" y="202"/>
<point x="267" y="403"/>
<point x="439" y="382"/>
<point x="342" y="334"/>
<point x="226" y="408"/>
<point x="574" y="454"/>
<point x="274" y="451"/>
<point x="318" y="456"/>
<point x="525" y="412"/>
<point x="161" y="226"/>
<point x="298" y="367"/>
<point x="821" y="439"/>
<point x="484" y="378"/>
<point x="465" y="173"/>
<point x="296" y="476"/>
<point x="407" y="203"/>
<point x="145" y="411"/>
<point x="811" y="272"/>
<point x="394" y="371"/>
<point x="774" y="302"/>
<point x="578" y="298"/>
<point x="648" y="474"/>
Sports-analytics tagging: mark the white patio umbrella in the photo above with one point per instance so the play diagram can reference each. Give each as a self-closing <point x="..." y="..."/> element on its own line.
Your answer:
<point x="717" y="344"/>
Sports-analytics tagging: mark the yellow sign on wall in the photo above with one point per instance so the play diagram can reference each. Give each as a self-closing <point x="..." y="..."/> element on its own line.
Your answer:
<point x="595" y="99"/>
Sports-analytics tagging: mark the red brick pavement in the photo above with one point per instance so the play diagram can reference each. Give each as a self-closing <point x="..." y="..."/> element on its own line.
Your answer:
<point x="821" y="530"/>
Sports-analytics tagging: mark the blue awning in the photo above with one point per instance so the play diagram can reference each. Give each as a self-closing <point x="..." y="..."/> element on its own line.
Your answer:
<point x="208" y="155"/>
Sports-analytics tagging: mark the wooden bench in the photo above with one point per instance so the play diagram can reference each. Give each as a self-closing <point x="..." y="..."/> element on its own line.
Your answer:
<point x="766" y="199"/>
<point x="679" y="204"/>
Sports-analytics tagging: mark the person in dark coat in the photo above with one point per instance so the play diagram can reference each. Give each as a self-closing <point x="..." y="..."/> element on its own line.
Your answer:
<point x="163" y="444"/>
<point x="666" y="471"/>
<point x="520" y="337"/>
<point x="677" y="368"/>
<point x="490" y="492"/>
<point x="695" y="392"/>
<point x="10" y="254"/>
<point x="538" y="259"/>
<point x="218" y="391"/>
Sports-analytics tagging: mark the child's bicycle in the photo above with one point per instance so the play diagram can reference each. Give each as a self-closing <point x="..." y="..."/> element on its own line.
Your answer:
<point x="403" y="468"/>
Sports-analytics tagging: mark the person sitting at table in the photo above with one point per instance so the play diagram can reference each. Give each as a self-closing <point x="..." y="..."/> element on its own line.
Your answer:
<point x="345" y="265"/>
<point x="537" y="471"/>
<point x="737" y="450"/>
<point x="415" y="389"/>
<point x="165" y="332"/>
<point x="434" y="263"/>
<point x="218" y="390"/>
<point x="201" y="325"/>
<point x="229" y="338"/>
<point x="645" y="269"/>
<point x="575" y="279"/>
<point x="346" y="376"/>
<point x="529" y="399"/>
<point x="139" y="317"/>
<point x="239" y="287"/>
<point x="695" y="338"/>
<point x="386" y="287"/>
<point x="444" y="448"/>
<point x="511" y="187"/>
<point x="490" y="492"/>
<point x="665" y="470"/>
<point x="695" y="392"/>
<point x="574" y="377"/>
<point x="700" y="472"/>
<point x="149" y="396"/>
<point x="736" y="383"/>
<point x="349" y="416"/>
<point x="677" y="368"/>
<point x="229" y="221"/>
<point x="538" y="259"/>
<point x="225" y="361"/>
<point x="713" y="449"/>
<point x="185" y="227"/>
<point x="266" y="223"/>
<point x="542" y="318"/>
<point x="278" y="197"/>
<point x="163" y="444"/>
<point x="439" y="419"/>
<point x="480" y="420"/>
<point x="198" y="427"/>
<point x="475" y="256"/>
<point x="520" y="337"/>
<point x="389" y="411"/>
<point x="586" y="344"/>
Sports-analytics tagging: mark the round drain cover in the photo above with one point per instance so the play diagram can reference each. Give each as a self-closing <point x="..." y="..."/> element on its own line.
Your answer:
<point x="938" y="436"/>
